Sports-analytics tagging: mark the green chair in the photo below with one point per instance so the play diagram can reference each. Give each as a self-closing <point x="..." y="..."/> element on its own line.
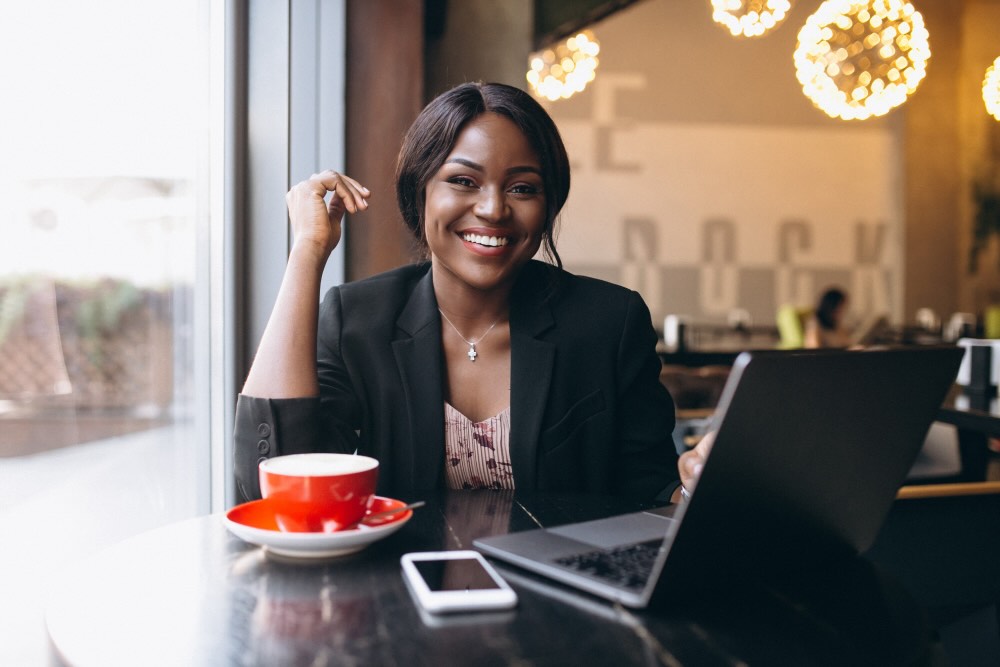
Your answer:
<point x="991" y="322"/>
<point x="791" y="322"/>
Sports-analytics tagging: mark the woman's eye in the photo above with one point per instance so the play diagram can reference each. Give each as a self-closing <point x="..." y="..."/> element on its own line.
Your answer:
<point x="524" y="189"/>
<point x="462" y="181"/>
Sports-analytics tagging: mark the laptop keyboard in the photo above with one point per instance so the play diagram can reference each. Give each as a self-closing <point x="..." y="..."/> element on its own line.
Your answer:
<point x="628" y="566"/>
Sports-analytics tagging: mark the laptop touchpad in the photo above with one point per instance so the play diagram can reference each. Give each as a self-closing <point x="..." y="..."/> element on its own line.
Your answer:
<point x="617" y="530"/>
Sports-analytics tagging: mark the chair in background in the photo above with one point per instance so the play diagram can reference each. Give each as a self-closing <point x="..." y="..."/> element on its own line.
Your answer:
<point x="791" y="322"/>
<point x="991" y="322"/>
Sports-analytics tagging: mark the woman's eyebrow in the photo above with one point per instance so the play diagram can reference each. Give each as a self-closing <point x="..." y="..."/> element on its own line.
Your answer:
<point x="478" y="167"/>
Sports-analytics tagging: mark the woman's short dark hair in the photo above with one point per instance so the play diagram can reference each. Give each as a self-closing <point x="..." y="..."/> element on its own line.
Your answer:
<point x="433" y="135"/>
<point x="829" y="302"/>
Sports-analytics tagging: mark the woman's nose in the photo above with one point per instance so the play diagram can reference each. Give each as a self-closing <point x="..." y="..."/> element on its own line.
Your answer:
<point x="491" y="205"/>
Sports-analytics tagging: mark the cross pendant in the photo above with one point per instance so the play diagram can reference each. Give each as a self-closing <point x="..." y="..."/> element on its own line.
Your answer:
<point x="472" y="352"/>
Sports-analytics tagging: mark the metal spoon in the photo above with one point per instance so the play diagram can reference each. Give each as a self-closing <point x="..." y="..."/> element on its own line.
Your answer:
<point x="388" y="512"/>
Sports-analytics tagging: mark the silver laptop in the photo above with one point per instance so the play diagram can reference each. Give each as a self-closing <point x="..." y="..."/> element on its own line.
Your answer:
<point x="810" y="449"/>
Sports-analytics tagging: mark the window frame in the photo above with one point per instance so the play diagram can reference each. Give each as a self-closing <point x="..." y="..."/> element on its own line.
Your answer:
<point x="284" y="115"/>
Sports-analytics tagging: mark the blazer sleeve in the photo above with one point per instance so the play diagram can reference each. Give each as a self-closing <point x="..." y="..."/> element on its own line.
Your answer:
<point x="646" y="458"/>
<point x="273" y="427"/>
<point x="267" y="427"/>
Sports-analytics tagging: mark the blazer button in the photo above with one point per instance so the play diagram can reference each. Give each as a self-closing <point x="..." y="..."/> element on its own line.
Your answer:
<point x="263" y="430"/>
<point x="263" y="446"/>
<point x="261" y="460"/>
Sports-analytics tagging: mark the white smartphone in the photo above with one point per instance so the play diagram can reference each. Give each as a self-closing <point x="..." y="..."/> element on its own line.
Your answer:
<point x="451" y="581"/>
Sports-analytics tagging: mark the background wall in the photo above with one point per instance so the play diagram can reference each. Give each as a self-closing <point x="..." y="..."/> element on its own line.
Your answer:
<point x="712" y="183"/>
<point x="979" y="137"/>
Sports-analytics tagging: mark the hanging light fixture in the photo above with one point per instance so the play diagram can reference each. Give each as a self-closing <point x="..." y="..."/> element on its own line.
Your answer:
<point x="565" y="69"/>
<point x="749" y="18"/>
<point x="991" y="89"/>
<point x="861" y="58"/>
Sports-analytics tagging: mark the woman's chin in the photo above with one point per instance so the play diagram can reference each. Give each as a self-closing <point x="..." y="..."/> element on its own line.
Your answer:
<point x="480" y="277"/>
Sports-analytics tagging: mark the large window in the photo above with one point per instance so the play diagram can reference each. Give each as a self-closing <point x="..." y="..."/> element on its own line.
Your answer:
<point x="105" y="225"/>
<point x="145" y="149"/>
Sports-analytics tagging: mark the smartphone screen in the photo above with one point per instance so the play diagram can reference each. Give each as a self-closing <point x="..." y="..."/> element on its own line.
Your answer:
<point x="456" y="574"/>
<point x="455" y="581"/>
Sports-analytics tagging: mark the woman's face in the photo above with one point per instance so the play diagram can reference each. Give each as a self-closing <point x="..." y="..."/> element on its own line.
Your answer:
<point x="839" y="311"/>
<point x="485" y="207"/>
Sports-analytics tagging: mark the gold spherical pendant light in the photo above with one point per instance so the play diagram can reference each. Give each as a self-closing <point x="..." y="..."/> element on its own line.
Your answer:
<point x="861" y="58"/>
<point x="991" y="89"/>
<point x="565" y="69"/>
<point x="749" y="18"/>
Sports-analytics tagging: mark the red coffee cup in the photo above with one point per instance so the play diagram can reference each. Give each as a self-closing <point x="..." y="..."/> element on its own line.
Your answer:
<point x="318" y="492"/>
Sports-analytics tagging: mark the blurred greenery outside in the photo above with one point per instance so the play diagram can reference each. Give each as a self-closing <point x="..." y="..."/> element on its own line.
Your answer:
<point x="86" y="343"/>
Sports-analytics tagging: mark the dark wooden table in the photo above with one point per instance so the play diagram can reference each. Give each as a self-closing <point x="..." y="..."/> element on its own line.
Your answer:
<point x="971" y="411"/>
<point x="192" y="594"/>
<point x="977" y="419"/>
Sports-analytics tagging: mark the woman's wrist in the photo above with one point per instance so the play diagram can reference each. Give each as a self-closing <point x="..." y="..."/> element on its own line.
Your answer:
<point x="677" y="494"/>
<point x="308" y="256"/>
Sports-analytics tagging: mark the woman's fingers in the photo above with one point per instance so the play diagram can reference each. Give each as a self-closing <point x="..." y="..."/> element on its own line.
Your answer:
<point x="689" y="467"/>
<point x="348" y="194"/>
<point x="314" y="219"/>
<point x="692" y="462"/>
<point x="704" y="445"/>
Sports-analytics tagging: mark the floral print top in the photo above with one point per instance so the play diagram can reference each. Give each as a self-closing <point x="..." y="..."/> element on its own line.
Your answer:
<point x="477" y="456"/>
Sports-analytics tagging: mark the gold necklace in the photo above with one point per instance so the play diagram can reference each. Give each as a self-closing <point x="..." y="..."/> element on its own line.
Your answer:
<point x="471" y="343"/>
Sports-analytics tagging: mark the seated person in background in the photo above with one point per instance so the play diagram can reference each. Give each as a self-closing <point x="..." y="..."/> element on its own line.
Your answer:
<point x="825" y="327"/>
<point x="480" y="367"/>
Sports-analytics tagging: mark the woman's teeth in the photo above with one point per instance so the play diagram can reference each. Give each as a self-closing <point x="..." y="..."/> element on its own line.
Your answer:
<point x="492" y="241"/>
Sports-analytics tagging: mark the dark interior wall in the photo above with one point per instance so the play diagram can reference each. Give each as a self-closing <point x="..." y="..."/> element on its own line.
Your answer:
<point x="931" y="164"/>
<point x="478" y="40"/>
<point x="980" y="152"/>
<point x="947" y="148"/>
<point x="384" y="91"/>
<point x="556" y="19"/>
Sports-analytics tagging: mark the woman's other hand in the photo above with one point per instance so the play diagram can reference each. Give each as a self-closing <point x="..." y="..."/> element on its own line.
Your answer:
<point x="315" y="221"/>
<point x="692" y="461"/>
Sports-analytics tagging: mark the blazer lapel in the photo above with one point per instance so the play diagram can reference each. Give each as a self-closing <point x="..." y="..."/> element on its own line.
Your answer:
<point x="531" y="374"/>
<point x="418" y="356"/>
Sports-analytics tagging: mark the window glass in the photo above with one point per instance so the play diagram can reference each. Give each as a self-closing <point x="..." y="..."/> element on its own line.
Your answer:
<point x="103" y="198"/>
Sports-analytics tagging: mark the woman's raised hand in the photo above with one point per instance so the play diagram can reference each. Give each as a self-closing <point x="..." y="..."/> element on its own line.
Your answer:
<point x="285" y="364"/>
<point x="315" y="221"/>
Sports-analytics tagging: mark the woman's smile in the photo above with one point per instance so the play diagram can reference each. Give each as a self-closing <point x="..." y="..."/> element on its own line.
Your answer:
<point x="486" y="242"/>
<point x="489" y="239"/>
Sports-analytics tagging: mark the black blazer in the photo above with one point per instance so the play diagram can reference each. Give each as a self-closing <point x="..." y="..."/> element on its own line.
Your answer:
<point x="588" y="412"/>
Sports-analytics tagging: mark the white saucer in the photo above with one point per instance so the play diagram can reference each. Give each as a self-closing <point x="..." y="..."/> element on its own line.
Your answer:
<point x="254" y="522"/>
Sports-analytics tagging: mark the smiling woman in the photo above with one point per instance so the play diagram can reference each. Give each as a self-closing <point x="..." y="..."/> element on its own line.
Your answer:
<point x="482" y="367"/>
